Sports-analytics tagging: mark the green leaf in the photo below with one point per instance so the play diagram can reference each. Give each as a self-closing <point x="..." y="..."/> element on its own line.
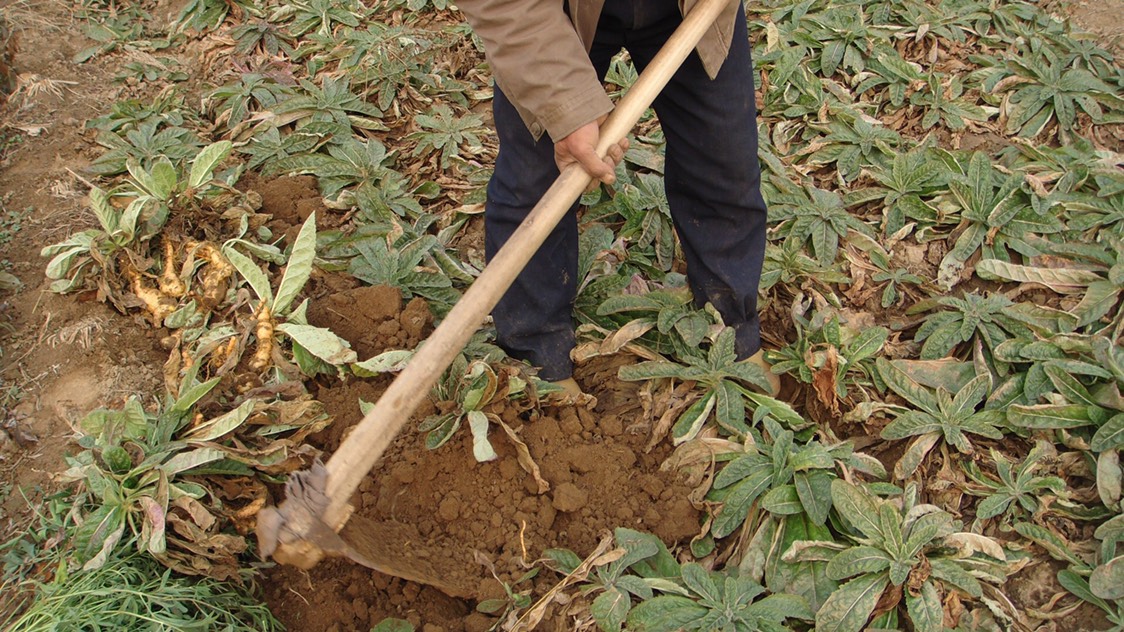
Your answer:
<point x="1109" y="436"/>
<point x="949" y="572"/>
<point x="103" y="210"/>
<point x="250" y="271"/>
<point x="691" y="421"/>
<point x="736" y="504"/>
<point x="567" y="561"/>
<point x="867" y="343"/>
<point x="394" y="625"/>
<point x="1079" y="586"/>
<point x="192" y="394"/>
<point x="729" y="409"/>
<point x="783" y="500"/>
<point x="849" y="607"/>
<point x="1055" y="546"/>
<point x="925" y="610"/>
<point x="610" y="608"/>
<point x="385" y="362"/>
<point x="99" y="533"/>
<point x="665" y="613"/>
<point x="164" y="178"/>
<point x="1048" y="416"/>
<point x="1061" y="280"/>
<point x="204" y="164"/>
<point x="856" y="507"/>
<point x="814" y="490"/>
<point x="1068" y="386"/>
<point x="901" y="384"/>
<point x="698" y="579"/>
<point x="1107" y="580"/>
<point x="858" y="560"/>
<point x="299" y="268"/>
<point x="221" y="425"/>
<point x="183" y="461"/>
<point x="320" y="342"/>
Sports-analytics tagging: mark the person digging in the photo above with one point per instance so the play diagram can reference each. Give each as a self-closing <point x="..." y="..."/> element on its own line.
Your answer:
<point x="548" y="59"/>
<point x="712" y="179"/>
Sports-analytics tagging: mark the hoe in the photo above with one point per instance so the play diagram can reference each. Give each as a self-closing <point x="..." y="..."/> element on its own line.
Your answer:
<point x="313" y="520"/>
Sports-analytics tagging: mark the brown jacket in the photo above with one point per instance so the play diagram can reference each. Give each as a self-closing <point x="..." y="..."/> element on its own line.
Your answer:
<point x="540" y="57"/>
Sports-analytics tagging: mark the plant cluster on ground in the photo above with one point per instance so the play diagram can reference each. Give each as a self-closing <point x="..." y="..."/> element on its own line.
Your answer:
<point x="942" y="293"/>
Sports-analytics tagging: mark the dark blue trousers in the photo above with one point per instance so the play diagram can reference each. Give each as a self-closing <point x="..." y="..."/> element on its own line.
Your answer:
<point x="712" y="179"/>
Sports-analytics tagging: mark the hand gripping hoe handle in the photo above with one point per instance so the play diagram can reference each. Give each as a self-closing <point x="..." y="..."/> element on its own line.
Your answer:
<point x="305" y="527"/>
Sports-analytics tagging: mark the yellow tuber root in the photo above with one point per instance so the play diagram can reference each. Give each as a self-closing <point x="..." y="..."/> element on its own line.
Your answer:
<point x="219" y="270"/>
<point x="222" y="354"/>
<point x="158" y="305"/>
<point x="264" y="353"/>
<point x="170" y="282"/>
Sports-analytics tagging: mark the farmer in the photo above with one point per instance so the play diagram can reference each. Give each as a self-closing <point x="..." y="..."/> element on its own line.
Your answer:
<point x="548" y="58"/>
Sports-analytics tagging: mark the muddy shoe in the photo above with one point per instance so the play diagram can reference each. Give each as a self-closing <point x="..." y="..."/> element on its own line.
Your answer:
<point x="773" y="379"/>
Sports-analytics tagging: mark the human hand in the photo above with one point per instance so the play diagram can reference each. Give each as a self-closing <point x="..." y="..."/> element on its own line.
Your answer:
<point x="580" y="147"/>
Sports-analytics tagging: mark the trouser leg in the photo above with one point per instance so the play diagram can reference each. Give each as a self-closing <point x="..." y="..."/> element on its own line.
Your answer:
<point x="534" y="319"/>
<point x="712" y="178"/>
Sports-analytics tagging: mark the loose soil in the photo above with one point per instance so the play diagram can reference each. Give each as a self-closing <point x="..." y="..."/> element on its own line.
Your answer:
<point x="481" y="523"/>
<point x="484" y="523"/>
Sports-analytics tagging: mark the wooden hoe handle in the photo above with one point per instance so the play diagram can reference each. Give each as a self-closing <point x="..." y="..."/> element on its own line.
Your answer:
<point x="378" y="428"/>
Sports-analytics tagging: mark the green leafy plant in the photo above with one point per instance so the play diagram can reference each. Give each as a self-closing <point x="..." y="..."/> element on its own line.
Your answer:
<point x="788" y="477"/>
<point x="208" y="15"/>
<point x="911" y="553"/>
<point x="722" y="379"/>
<point x="152" y="194"/>
<point x="717" y="601"/>
<point x="819" y="217"/>
<point x="150" y="141"/>
<point x="937" y="415"/>
<point x="944" y="102"/>
<point x="376" y="188"/>
<point x="995" y="216"/>
<point x="324" y="16"/>
<point x="1039" y="88"/>
<point x="236" y="101"/>
<point x="402" y="265"/>
<point x="1015" y="489"/>
<point x="851" y="143"/>
<point x="330" y="108"/>
<point x="989" y="318"/>
<point x="644" y="567"/>
<point x="830" y="356"/>
<point x="314" y="348"/>
<point x="444" y="133"/>
<point x="470" y="387"/>
<point x="840" y="35"/>
<point x="691" y="597"/>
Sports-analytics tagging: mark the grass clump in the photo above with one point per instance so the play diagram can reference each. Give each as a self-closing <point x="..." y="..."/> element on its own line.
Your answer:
<point x="135" y="592"/>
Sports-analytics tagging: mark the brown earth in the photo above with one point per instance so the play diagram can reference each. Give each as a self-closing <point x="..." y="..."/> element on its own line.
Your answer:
<point x="489" y="521"/>
<point x="65" y="355"/>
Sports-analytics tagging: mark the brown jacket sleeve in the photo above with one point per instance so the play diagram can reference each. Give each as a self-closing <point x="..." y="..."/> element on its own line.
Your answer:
<point x="539" y="62"/>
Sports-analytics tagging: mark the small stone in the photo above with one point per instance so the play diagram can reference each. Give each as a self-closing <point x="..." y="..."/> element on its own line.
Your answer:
<point x="360" y="608"/>
<point x="478" y="622"/>
<point x="449" y="509"/>
<point x="611" y="426"/>
<point x="569" y="498"/>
